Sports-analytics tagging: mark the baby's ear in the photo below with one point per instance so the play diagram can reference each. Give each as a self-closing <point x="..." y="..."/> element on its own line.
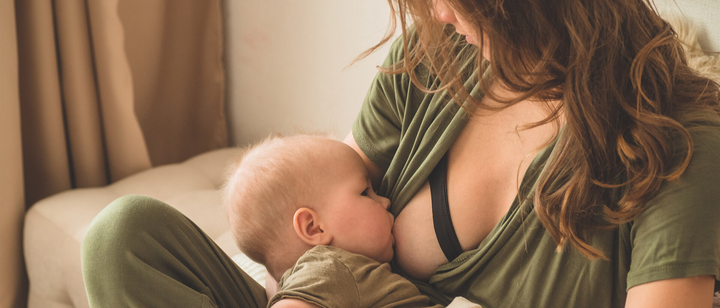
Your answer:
<point x="307" y="226"/>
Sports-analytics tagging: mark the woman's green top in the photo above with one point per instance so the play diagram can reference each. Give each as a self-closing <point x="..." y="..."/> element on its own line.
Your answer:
<point x="406" y="131"/>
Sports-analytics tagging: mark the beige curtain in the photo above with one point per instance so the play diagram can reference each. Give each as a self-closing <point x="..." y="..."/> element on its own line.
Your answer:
<point x="12" y="196"/>
<point x="92" y="91"/>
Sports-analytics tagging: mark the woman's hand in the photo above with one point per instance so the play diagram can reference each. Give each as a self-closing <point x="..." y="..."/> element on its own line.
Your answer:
<point x="682" y="292"/>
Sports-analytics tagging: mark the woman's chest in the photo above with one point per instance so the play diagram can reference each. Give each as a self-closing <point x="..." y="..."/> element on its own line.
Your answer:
<point x="486" y="164"/>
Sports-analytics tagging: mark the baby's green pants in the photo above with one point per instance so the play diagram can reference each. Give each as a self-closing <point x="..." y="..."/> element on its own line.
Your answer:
<point x="141" y="252"/>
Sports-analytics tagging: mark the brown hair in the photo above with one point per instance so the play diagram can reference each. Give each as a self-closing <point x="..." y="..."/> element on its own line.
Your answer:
<point x="625" y="90"/>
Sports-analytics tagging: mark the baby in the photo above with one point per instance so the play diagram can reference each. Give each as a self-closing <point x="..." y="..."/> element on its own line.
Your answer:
<point x="303" y="206"/>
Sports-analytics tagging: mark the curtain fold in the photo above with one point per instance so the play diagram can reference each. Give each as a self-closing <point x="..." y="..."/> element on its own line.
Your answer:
<point x="92" y="91"/>
<point x="175" y="50"/>
<point x="78" y="123"/>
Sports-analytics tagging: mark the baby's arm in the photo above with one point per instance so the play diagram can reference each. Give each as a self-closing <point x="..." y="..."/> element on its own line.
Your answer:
<point x="293" y="303"/>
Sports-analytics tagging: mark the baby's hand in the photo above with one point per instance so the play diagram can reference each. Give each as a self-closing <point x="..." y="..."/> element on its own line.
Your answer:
<point x="461" y="302"/>
<point x="293" y="303"/>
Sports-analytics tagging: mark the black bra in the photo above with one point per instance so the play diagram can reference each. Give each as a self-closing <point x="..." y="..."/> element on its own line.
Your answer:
<point x="444" y="229"/>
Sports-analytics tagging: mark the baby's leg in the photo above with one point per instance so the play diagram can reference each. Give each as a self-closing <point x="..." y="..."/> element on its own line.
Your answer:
<point x="141" y="252"/>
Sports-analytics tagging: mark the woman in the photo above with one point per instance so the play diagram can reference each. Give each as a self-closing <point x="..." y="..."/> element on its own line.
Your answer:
<point x="572" y="157"/>
<point x="613" y="186"/>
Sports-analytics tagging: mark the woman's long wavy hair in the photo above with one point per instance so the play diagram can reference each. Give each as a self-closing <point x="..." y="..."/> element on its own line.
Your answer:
<point x="624" y="88"/>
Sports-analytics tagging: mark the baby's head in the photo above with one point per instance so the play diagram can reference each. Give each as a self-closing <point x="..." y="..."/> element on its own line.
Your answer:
<point x="288" y="194"/>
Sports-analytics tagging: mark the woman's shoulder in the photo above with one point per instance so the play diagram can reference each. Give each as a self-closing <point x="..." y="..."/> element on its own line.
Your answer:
<point x="696" y="190"/>
<point x="706" y="138"/>
<point x="704" y="164"/>
<point x="677" y="235"/>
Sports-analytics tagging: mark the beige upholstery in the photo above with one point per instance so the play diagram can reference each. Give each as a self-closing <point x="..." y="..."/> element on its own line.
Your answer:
<point x="54" y="227"/>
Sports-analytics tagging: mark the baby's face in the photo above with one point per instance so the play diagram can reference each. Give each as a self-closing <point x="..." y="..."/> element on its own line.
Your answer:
<point x="356" y="216"/>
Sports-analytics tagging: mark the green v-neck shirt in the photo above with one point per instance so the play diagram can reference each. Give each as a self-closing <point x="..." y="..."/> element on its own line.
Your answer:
<point x="407" y="131"/>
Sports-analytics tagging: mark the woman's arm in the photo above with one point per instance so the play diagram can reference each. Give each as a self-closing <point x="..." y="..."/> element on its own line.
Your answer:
<point x="375" y="173"/>
<point x="271" y="287"/>
<point x="682" y="292"/>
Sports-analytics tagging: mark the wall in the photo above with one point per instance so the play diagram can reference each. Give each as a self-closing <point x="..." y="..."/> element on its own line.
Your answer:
<point x="285" y="61"/>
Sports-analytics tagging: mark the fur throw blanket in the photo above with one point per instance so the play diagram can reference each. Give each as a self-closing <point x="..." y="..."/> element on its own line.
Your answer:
<point x="707" y="64"/>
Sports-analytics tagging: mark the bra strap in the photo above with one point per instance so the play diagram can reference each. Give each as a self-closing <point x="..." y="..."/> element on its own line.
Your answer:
<point x="444" y="229"/>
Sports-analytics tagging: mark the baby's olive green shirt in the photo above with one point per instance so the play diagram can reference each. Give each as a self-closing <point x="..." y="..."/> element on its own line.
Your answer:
<point x="330" y="277"/>
<point x="407" y="131"/>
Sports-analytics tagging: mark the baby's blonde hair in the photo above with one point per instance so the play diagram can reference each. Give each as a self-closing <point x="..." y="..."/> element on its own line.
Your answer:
<point x="264" y="189"/>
